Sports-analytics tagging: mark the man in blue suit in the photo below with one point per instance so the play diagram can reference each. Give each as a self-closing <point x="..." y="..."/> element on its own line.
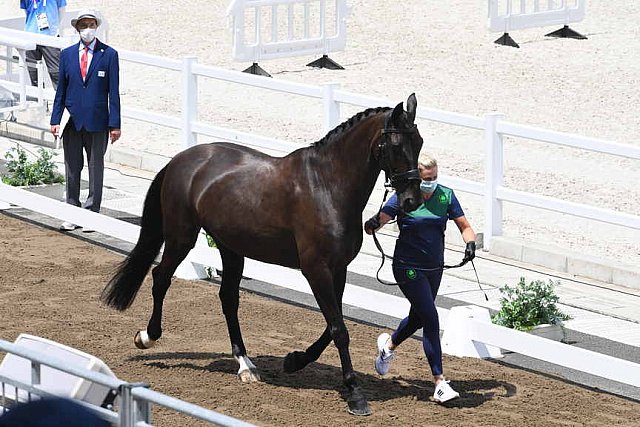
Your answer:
<point x="88" y="88"/>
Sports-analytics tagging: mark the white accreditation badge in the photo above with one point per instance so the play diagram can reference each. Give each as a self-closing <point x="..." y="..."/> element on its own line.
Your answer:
<point x="43" y="22"/>
<point x="41" y="18"/>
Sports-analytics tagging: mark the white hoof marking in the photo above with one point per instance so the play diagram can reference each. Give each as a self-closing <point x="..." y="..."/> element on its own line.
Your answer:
<point x="247" y="371"/>
<point x="146" y="341"/>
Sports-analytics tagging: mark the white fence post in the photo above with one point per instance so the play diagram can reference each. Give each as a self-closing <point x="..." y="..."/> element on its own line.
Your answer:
<point x="189" y="101"/>
<point x="493" y="176"/>
<point x="330" y="106"/>
<point x="456" y="338"/>
<point x="9" y="61"/>
<point x="36" y="373"/>
<point x="40" y="81"/>
<point x="22" y="76"/>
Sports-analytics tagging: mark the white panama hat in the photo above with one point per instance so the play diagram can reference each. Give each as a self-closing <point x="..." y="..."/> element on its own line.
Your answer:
<point x="86" y="13"/>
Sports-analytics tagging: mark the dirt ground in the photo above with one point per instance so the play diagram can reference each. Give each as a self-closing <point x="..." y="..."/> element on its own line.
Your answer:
<point x="49" y="286"/>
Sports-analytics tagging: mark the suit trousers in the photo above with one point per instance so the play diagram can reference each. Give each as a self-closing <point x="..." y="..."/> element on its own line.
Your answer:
<point x="51" y="56"/>
<point x="95" y="145"/>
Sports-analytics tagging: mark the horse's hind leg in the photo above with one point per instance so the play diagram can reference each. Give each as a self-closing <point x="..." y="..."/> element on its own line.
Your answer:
<point x="177" y="247"/>
<point x="232" y="267"/>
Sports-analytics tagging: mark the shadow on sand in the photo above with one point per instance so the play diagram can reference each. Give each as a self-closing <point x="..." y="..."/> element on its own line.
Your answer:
<point x="320" y="376"/>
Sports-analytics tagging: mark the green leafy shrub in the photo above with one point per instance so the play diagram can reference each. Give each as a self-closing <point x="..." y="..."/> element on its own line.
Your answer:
<point x="23" y="172"/>
<point x="529" y="304"/>
<point x="212" y="244"/>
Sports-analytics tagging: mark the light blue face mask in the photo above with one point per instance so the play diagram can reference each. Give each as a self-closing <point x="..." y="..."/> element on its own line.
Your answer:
<point x="428" y="186"/>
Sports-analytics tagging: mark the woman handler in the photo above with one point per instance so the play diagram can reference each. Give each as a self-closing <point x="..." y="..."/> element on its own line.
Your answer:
<point x="417" y="267"/>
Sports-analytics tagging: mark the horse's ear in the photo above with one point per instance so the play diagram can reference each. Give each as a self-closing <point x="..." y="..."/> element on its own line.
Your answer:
<point x="412" y="104"/>
<point x="397" y="114"/>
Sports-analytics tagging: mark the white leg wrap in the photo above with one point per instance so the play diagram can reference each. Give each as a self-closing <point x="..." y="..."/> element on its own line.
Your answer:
<point x="146" y="341"/>
<point x="245" y="364"/>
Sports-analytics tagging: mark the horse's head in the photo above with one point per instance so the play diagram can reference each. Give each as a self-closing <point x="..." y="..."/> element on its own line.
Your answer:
<point x="398" y="154"/>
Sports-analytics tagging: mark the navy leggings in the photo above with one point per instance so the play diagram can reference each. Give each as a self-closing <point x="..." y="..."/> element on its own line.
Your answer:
<point x="421" y="288"/>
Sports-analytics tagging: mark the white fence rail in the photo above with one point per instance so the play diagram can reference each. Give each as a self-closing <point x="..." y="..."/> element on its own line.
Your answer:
<point x="134" y="399"/>
<point x="508" y="15"/>
<point x="267" y="29"/>
<point x="493" y="125"/>
<point x="489" y="334"/>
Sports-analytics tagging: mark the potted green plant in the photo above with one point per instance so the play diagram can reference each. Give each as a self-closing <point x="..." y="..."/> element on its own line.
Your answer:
<point x="531" y="307"/>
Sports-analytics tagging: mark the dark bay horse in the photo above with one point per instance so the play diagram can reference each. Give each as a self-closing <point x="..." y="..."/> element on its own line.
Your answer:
<point x="301" y="211"/>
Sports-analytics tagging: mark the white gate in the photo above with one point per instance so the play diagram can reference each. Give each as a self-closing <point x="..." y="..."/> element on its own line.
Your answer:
<point x="267" y="29"/>
<point x="508" y="15"/>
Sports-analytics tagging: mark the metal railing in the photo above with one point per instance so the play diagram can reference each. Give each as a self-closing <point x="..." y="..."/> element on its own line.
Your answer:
<point x="135" y="399"/>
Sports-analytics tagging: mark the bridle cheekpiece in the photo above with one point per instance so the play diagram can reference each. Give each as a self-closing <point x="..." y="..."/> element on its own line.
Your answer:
<point x="394" y="180"/>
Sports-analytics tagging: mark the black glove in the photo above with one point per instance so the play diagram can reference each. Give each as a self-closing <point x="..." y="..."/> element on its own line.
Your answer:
<point x="372" y="224"/>
<point x="470" y="251"/>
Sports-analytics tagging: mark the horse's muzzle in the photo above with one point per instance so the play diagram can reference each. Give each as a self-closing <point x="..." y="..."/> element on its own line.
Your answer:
<point x="410" y="204"/>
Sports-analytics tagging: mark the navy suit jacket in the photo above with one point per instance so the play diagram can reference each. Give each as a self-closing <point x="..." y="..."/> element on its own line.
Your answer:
<point x="93" y="104"/>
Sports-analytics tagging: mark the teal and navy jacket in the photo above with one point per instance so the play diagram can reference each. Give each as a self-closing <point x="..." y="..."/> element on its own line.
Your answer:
<point x="421" y="240"/>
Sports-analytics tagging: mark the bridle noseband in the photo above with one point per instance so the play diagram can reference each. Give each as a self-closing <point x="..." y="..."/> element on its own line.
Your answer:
<point x="394" y="180"/>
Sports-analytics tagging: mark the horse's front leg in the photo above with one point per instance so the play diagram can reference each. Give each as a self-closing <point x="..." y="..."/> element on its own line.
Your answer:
<point x="232" y="267"/>
<point x="322" y="284"/>
<point x="297" y="360"/>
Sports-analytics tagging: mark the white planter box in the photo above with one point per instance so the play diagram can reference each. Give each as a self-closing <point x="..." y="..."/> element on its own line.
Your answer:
<point x="552" y="332"/>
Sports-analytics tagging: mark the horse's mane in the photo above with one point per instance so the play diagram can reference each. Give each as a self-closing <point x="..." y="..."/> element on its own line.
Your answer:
<point x="337" y="132"/>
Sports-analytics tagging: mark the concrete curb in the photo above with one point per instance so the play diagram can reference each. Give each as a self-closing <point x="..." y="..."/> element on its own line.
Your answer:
<point x="565" y="261"/>
<point x="549" y="257"/>
<point x="30" y="134"/>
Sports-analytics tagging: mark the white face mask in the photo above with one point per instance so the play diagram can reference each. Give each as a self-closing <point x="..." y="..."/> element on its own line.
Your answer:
<point x="428" y="186"/>
<point x="88" y="34"/>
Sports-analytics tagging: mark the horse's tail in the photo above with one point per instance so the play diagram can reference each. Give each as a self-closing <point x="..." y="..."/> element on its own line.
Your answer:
<point x="124" y="285"/>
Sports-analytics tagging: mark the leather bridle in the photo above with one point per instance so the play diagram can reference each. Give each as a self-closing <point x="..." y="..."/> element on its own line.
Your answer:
<point x="394" y="179"/>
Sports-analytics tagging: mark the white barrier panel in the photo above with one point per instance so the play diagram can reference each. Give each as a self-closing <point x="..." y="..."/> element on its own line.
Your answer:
<point x="266" y="29"/>
<point x="52" y="380"/>
<point x="558" y="353"/>
<point x="457" y="340"/>
<point x="507" y="15"/>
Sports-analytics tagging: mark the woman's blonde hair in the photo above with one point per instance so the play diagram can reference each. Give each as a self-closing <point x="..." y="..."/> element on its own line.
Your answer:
<point x="426" y="161"/>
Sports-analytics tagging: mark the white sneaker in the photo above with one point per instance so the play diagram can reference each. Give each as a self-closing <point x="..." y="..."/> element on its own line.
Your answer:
<point x="444" y="392"/>
<point x="385" y="356"/>
<point x="68" y="226"/>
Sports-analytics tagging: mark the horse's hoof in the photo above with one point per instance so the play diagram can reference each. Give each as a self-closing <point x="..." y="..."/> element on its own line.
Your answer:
<point x="359" y="408"/>
<point x="142" y="340"/>
<point x="295" y="361"/>
<point x="249" y="376"/>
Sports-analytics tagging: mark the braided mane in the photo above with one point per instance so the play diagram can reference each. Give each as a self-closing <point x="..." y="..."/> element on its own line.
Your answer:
<point x="337" y="132"/>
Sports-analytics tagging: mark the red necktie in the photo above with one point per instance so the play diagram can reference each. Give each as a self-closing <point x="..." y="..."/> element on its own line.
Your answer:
<point x="83" y="63"/>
